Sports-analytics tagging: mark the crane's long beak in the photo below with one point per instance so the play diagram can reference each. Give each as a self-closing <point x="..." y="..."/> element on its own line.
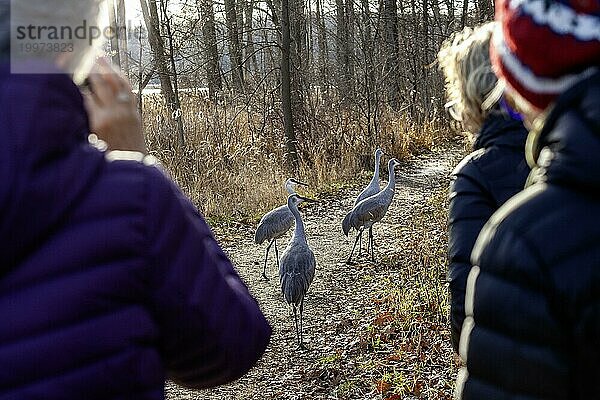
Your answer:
<point x="388" y="155"/>
<point x="297" y="182"/>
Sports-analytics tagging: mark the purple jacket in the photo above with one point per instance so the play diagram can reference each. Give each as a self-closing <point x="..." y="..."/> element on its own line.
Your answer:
<point x="110" y="280"/>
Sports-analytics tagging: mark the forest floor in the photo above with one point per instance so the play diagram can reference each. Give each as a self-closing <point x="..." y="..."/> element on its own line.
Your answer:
<point x="373" y="330"/>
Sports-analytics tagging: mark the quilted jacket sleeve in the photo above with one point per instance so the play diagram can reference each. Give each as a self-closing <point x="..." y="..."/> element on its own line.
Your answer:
<point x="512" y="342"/>
<point x="471" y="206"/>
<point x="511" y="333"/>
<point x="586" y="339"/>
<point x="212" y="330"/>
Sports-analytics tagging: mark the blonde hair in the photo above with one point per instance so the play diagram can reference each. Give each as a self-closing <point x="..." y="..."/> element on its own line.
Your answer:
<point x="465" y="62"/>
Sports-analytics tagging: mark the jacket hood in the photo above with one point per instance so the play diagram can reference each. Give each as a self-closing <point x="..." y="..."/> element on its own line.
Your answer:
<point x="499" y="130"/>
<point x="45" y="159"/>
<point x="567" y="148"/>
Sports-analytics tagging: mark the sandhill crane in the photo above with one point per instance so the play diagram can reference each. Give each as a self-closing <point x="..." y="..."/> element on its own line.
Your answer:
<point x="275" y="224"/>
<point x="373" y="186"/>
<point x="371" y="189"/>
<point x="371" y="210"/>
<point x="297" y="268"/>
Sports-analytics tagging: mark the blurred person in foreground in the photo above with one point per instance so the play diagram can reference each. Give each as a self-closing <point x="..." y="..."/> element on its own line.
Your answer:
<point x="532" y="327"/>
<point x="495" y="171"/>
<point x="110" y="281"/>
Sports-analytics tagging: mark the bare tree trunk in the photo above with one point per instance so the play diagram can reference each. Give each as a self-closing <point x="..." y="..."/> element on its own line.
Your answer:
<point x="299" y="64"/>
<point x="177" y="113"/>
<point x="367" y="48"/>
<point x="275" y="56"/>
<point x="437" y="18"/>
<point x="240" y="6"/>
<point x="235" y="50"/>
<point x="152" y="20"/>
<point x="114" y="39"/>
<point x="140" y="78"/>
<point x="451" y="23"/>
<point x="122" y="29"/>
<point x="426" y="29"/>
<point x="310" y="48"/>
<point x="392" y="63"/>
<point x="350" y="56"/>
<point x="425" y="101"/>
<point x="465" y="11"/>
<point x="250" y="51"/>
<point x="143" y="80"/>
<point x="286" y="88"/>
<point x="341" y="34"/>
<point x="322" y="44"/>
<point x="299" y="53"/>
<point x="150" y="14"/>
<point x="209" y="37"/>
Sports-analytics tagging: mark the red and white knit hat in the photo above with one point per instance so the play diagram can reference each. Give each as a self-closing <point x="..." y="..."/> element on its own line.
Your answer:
<point x="542" y="47"/>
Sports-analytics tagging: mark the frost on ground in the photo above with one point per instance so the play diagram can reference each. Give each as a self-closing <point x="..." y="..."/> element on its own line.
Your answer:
<point x="373" y="331"/>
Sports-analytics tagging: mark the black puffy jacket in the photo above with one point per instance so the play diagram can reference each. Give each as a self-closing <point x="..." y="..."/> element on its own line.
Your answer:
<point x="481" y="183"/>
<point x="532" y="329"/>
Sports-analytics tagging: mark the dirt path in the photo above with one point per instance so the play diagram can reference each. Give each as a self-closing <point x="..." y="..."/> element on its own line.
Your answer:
<point x="337" y="298"/>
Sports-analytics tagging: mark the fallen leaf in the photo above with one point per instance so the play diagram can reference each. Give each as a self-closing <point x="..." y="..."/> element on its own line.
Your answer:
<point x="383" y="386"/>
<point x="382" y="319"/>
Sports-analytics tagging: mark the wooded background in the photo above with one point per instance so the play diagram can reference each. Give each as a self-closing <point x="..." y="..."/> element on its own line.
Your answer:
<point x="291" y="61"/>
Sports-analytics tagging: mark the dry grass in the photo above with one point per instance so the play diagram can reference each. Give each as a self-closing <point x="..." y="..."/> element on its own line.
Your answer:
<point x="233" y="168"/>
<point x="412" y="312"/>
<point x="398" y="344"/>
<point x="404" y="349"/>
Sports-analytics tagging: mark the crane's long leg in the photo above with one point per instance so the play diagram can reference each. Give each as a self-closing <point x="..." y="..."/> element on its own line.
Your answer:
<point x="276" y="254"/>
<point x="302" y="347"/>
<point x="369" y="243"/>
<point x="360" y="243"/>
<point x="372" y="243"/>
<point x="296" y="323"/>
<point x="266" y="258"/>
<point x="354" y="247"/>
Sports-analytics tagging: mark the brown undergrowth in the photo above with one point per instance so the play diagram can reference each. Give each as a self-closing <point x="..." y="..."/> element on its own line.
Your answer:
<point x="397" y="344"/>
<point x="233" y="163"/>
<point x="375" y="331"/>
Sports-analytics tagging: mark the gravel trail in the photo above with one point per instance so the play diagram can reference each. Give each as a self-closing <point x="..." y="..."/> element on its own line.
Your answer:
<point x="337" y="298"/>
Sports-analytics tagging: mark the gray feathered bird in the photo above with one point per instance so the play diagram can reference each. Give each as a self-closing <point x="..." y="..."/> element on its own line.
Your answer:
<point x="371" y="210"/>
<point x="373" y="186"/>
<point x="275" y="224"/>
<point x="297" y="269"/>
<point x="371" y="190"/>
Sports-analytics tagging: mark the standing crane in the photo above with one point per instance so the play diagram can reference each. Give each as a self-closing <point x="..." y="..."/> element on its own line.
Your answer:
<point x="373" y="186"/>
<point x="297" y="268"/>
<point x="275" y="224"/>
<point x="371" y="189"/>
<point x="370" y="211"/>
